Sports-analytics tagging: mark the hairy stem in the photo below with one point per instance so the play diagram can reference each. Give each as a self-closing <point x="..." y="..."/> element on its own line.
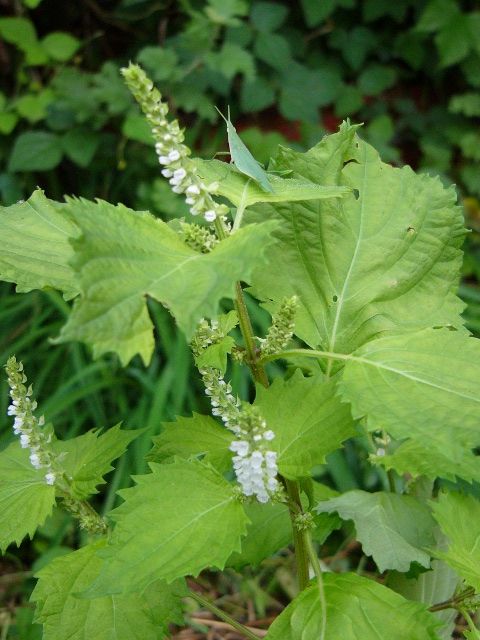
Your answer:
<point x="315" y="562"/>
<point x="299" y="537"/>
<point x="258" y="371"/>
<point x="223" y="616"/>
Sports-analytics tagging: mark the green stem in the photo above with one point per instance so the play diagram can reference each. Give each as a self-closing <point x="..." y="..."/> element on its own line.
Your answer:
<point x="299" y="537"/>
<point x="454" y="601"/>
<point x="315" y="562"/>
<point x="473" y="628"/>
<point x="223" y="616"/>
<point x="258" y="371"/>
<point x="220" y="229"/>
<point x="392" y="485"/>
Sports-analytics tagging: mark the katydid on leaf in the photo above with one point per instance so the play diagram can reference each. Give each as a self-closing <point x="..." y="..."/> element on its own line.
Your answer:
<point x="242" y="158"/>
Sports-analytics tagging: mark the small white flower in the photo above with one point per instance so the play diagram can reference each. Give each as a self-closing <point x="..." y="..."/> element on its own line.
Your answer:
<point x="241" y="447"/>
<point x="271" y="458"/>
<point x="164" y="160"/>
<point x="210" y="215"/>
<point x="24" y="440"/>
<point x="35" y="460"/>
<point x="179" y="174"/>
<point x="50" y="477"/>
<point x="166" y="173"/>
<point x="193" y="190"/>
<point x="269" y="435"/>
<point x="174" y="155"/>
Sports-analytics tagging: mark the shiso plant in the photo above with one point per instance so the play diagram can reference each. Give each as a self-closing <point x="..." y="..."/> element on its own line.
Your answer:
<point x="358" y="264"/>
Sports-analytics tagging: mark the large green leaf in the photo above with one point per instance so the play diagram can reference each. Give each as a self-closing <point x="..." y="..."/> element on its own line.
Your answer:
<point x="190" y="519"/>
<point x="382" y="258"/>
<point x="25" y="498"/>
<point x="123" y="256"/>
<point x="458" y="516"/>
<point x="422" y="385"/>
<point x="393" y="529"/>
<point x="240" y="189"/>
<point x="357" y="609"/>
<point x="417" y="459"/>
<point x="308" y="420"/>
<point x="135" y="616"/>
<point x="35" y="251"/>
<point x="89" y="457"/>
<point x="198" y="436"/>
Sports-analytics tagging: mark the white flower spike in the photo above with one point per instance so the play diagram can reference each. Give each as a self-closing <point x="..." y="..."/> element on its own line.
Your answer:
<point x="173" y="155"/>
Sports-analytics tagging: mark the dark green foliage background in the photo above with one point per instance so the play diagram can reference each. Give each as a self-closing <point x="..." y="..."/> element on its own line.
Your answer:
<point x="290" y="72"/>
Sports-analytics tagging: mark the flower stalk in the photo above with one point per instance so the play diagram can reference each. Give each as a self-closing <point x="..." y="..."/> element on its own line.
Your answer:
<point x="255" y="464"/>
<point x="26" y="425"/>
<point x="173" y="154"/>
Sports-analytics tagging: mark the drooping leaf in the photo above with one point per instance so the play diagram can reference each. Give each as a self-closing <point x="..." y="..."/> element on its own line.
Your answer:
<point x="418" y="459"/>
<point x="123" y="255"/>
<point x="324" y="523"/>
<point x="89" y="456"/>
<point x="393" y="529"/>
<point x="422" y="385"/>
<point x="308" y="420"/>
<point x="35" y="251"/>
<point x="269" y="531"/>
<point x="270" y="528"/>
<point x="429" y="587"/>
<point x="198" y="436"/>
<point x="136" y="616"/>
<point x="357" y="609"/>
<point x="383" y="258"/>
<point x="190" y="519"/>
<point x="239" y="189"/>
<point x="25" y="498"/>
<point x="457" y="516"/>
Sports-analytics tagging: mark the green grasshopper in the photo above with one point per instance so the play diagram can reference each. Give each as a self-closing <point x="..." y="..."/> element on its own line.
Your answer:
<point x="243" y="159"/>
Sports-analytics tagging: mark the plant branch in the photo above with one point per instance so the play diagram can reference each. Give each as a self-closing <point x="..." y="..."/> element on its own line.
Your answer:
<point x="224" y="616"/>
<point x="314" y="561"/>
<point x="454" y="601"/>
<point x="257" y="369"/>
<point x="299" y="539"/>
